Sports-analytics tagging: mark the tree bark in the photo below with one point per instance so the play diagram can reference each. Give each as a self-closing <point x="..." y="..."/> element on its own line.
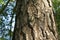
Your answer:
<point x="34" y="20"/>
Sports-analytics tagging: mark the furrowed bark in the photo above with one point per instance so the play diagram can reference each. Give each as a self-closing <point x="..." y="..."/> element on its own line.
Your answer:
<point x="34" y="20"/>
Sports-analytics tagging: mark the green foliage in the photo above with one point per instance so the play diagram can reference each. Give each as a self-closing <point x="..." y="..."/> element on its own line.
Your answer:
<point x="2" y="2"/>
<point x="6" y="11"/>
<point x="56" y="5"/>
<point x="2" y="38"/>
<point x="10" y="33"/>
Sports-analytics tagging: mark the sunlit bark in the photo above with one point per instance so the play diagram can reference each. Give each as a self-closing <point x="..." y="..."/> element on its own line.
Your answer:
<point x="34" y="20"/>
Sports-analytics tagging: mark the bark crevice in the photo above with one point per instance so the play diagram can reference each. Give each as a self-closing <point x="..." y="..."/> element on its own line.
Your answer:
<point x="34" y="20"/>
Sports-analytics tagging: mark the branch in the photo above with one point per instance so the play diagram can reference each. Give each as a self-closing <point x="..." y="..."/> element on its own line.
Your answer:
<point x="1" y="11"/>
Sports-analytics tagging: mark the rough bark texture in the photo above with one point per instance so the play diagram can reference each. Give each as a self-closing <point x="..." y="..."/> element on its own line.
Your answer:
<point x="34" y="20"/>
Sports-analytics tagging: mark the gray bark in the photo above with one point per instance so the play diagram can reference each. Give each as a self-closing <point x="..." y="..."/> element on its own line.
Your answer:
<point x="34" y="20"/>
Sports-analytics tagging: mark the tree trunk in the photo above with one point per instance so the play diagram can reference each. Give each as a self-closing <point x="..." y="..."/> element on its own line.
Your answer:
<point x="34" y="20"/>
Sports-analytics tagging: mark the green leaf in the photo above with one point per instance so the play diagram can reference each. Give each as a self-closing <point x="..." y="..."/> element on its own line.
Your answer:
<point x="2" y="2"/>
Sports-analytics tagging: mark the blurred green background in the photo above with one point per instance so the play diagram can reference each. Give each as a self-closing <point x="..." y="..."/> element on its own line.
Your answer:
<point x="56" y="5"/>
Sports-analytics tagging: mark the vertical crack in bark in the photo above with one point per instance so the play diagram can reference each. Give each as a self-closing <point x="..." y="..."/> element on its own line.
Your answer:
<point x="46" y="29"/>
<point x="34" y="21"/>
<point x="49" y="3"/>
<point x="32" y="33"/>
<point x="29" y="25"/>
<point x="53" y="30"/>
<point x="22" y="36"/>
